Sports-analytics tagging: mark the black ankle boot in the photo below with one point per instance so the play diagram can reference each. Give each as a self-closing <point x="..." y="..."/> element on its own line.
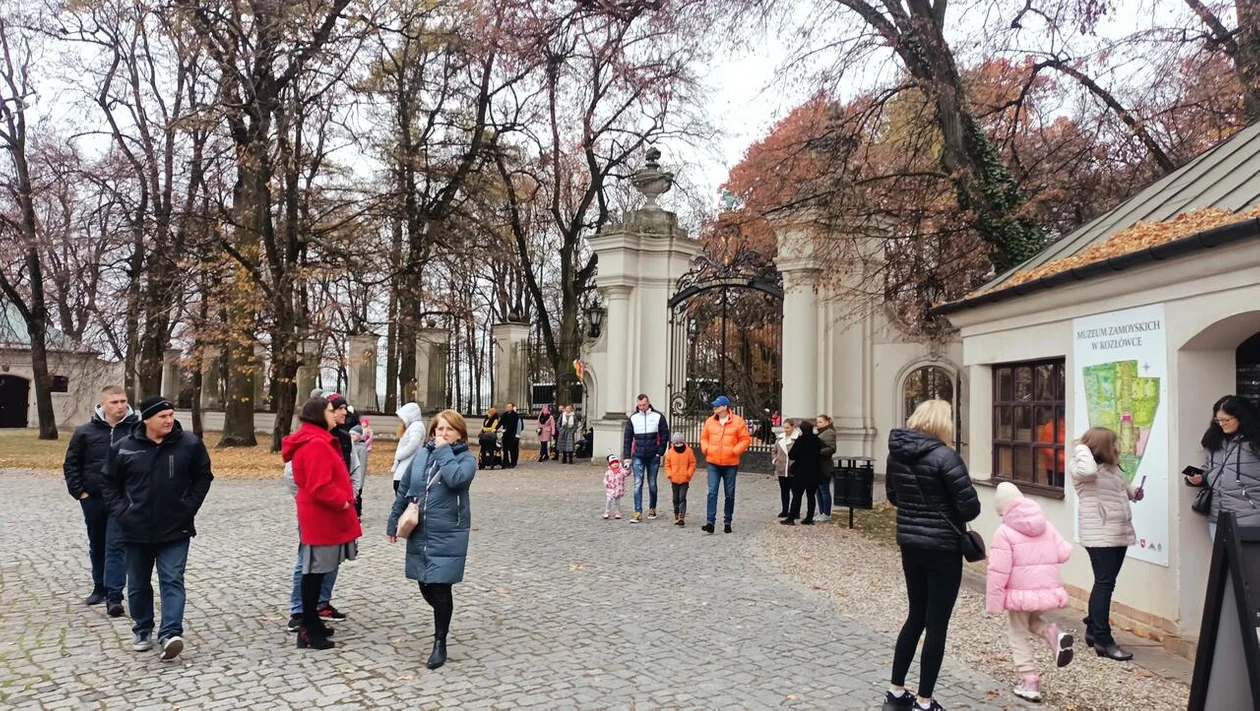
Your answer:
<point x="1112" y="651"/>
<point x="313" y="638"/>
<point x="438" y="657"/>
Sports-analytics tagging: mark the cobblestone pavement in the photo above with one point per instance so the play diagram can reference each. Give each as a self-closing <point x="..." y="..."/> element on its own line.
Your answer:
<point x="560" y="609"/>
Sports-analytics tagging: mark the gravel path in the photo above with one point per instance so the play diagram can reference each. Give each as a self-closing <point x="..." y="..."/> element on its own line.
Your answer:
<point x="863" y="580"/>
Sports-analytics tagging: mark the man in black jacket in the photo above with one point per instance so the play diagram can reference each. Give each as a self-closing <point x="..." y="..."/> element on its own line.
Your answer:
<point x="511" y="425"/>
<point x="85" y="457"/>
<point x="154" y="482"/>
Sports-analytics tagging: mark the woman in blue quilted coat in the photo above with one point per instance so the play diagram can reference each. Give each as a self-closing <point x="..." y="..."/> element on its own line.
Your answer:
<point x="438" y="480"/>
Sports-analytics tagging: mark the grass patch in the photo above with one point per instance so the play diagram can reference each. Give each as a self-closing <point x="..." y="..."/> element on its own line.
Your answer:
<point x="878" y="524"/>
<point x="23" y="449"/>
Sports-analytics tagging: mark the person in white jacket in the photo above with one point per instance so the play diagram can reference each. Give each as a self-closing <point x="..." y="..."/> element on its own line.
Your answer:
<point x="411" y="441"/>
<point x="1105" y="525"/>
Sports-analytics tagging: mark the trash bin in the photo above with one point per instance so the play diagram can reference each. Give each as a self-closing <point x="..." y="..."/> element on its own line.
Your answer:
<point x="854" y="482"/>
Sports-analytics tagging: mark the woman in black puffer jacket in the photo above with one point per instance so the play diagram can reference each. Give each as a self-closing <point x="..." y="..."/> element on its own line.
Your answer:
<point x="928" y="483"/>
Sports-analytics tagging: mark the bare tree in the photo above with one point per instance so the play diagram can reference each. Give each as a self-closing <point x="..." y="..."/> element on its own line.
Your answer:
<point x="23" y="286"/>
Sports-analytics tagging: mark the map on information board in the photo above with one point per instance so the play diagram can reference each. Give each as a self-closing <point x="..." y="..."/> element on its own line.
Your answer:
<point x="1122" y="400"/>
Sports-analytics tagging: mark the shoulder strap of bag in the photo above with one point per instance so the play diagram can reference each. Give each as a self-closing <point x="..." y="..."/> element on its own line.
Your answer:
<point x="915" y="477"/>
<point x="1225" y="462"/>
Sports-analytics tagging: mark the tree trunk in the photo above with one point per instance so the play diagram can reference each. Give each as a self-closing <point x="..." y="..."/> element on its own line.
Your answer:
<point x="391" y="337"/>
<point x="1247" y="61"/>
<point x="250" y="208"/>
<point x="984" y="187"/>
<point x="409" y="305"/>
<point x="285" y="358"/>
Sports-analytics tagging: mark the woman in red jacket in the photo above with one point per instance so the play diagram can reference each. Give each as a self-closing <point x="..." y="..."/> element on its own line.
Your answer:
<point x="325" y="511"/>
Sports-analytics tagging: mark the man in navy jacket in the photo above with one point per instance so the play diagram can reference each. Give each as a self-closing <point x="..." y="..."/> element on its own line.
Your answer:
<point x="646" y="439"/>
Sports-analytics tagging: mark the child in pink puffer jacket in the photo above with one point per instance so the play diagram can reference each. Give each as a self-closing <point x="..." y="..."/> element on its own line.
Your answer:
<point x="1024" y="560"/>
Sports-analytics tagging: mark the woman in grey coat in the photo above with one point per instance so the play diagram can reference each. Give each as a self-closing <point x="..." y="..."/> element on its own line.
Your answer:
<point x="568" y="429"/>
<point x="1232" y="466"/>
<point x="438" y="480"/>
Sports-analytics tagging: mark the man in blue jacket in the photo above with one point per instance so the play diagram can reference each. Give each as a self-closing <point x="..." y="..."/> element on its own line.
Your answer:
<point x="85" y="457"/>
<point x="154" y="482"/>
<point x="646" y="438"/>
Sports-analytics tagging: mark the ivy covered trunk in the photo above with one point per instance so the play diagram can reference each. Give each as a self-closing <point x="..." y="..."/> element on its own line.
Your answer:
<point x="985" y="189"/>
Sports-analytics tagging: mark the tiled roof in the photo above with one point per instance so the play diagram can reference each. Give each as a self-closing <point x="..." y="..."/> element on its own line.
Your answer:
<point x="1226" y="177"/>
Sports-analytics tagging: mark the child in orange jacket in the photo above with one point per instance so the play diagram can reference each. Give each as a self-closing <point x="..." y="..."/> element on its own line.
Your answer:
<point x="680" y="466"/>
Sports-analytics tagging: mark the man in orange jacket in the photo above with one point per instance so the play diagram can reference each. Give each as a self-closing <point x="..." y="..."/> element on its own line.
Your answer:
<point x="723" y="440"/>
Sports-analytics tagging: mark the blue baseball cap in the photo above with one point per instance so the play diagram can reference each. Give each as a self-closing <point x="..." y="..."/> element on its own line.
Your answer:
<point x="721" y="401"/>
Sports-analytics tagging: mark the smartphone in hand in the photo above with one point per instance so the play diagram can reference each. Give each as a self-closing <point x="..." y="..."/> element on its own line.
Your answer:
<point x="1191" y="471"/>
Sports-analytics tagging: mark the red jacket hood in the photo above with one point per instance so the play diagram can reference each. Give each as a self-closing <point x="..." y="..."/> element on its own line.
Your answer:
<point x="307" y="433"/>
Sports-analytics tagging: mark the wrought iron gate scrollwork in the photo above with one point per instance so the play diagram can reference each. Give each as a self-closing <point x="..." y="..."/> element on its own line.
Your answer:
<point x="726" y="333"/>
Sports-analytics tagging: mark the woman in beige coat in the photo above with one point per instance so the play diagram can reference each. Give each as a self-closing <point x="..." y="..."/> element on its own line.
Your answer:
<point x="1106" y="528"/>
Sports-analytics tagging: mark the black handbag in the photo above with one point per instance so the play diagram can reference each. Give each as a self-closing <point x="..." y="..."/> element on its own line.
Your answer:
<point x="1203" y="500"/>
<point x="970" y="542"/>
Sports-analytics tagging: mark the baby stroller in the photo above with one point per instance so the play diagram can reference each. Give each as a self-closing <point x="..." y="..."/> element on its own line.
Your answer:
<point x="490" y="453"/>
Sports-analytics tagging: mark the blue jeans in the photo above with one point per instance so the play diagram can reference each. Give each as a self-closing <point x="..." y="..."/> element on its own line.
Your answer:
<point x="725" y="476"/>
<point x="109" y="563"/>
<point x="170" y="558"/>
<point x="295" y="595"/>
<point x="824" y="496"/>
<point x="651" y="467"/>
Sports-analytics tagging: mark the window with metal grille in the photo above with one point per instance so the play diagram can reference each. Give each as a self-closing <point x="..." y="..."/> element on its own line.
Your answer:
<point x="1028" y="424"/>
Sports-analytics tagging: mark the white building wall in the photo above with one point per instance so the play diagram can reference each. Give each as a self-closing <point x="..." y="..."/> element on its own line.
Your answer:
<point x="1212" y="304"/>
<point x="87" y="374"/>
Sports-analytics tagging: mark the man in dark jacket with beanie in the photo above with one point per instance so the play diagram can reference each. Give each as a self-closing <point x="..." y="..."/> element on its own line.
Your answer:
<point x="85" y="457"/>
<point x="154" y="482"/>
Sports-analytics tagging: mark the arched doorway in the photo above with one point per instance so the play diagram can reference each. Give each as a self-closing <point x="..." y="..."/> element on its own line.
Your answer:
<point x="1247" y="369"/>
<point x="929" y="382"/>
<point x="15" y="394"/>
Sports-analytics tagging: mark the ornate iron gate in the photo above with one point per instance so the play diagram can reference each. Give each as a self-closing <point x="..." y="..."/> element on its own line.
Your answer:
<point x="726" y="333"/>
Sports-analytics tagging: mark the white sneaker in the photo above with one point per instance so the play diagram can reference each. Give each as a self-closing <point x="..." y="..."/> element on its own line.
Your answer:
<point x="171" y="648"/>
<point x="1029" y="688"/>
<point x="142" y="642"/>
<point x="823" y="517"/>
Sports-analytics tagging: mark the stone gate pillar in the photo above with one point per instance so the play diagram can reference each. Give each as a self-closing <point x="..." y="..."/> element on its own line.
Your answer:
<point x="828" y="328"/>
<point x="309" y="353"/>
<point x="432" y="352"/>
<point x="259" y="377"/>
<point x="802" y="335"/>
<point x="171" y="380"/>
<point x="510" y="340"/>
<point x="361" y="370"/>
<point x="640" y="260"/>
<point x="211" y="378"/>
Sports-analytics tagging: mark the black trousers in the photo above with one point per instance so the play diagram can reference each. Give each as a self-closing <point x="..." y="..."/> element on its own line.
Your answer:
<point x="511" y="451"/>
<point x="438" y="595"/>
<point x="932" y="582"/>
<point x="680" y="498"/>
<point x="1106" y="563"/>
<point x="785" y="495"/>
<point x="799" y="490"/>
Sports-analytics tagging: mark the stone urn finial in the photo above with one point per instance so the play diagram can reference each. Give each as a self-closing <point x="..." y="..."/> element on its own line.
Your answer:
<point x="651" y="181"/>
